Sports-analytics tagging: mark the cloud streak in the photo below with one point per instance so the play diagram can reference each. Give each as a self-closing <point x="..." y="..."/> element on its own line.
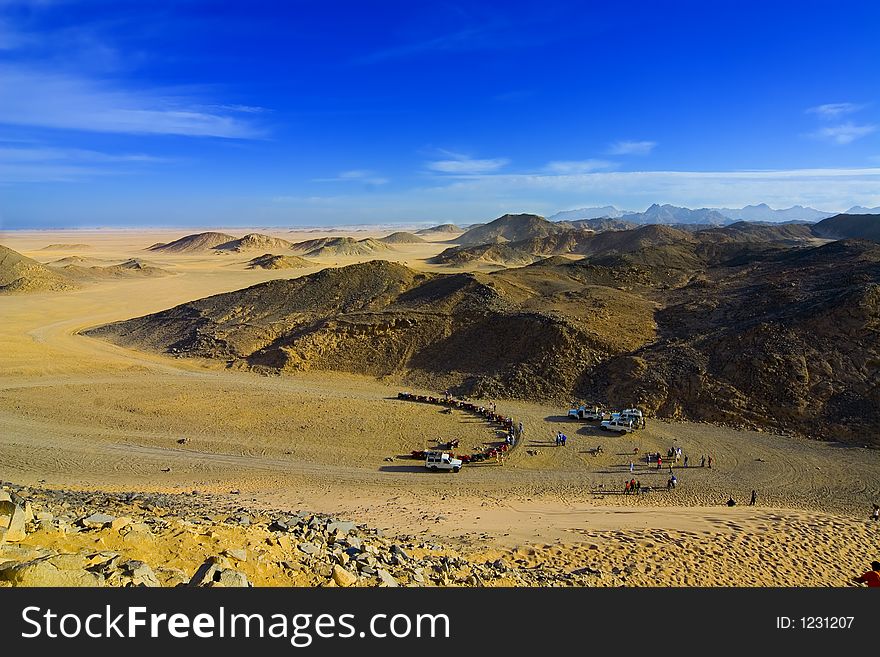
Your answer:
<point x="845" y="133"/>
<point x="356" y="175"/>
<point x="22" y="162"/>
<point x="834" y="110"/>
<point x="632" y="147"/>
<point x="464" y="165"/>
<point x="567" y="167"/>
<point x="53" y="100"/>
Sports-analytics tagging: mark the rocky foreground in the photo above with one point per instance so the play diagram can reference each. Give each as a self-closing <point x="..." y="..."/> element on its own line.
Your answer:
<point x="70" y="538"/>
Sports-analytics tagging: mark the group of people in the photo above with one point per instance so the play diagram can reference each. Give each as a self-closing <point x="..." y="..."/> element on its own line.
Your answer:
<point x="513" y="431"/>
<point x="752" y="501"/>
<point x="632" y="486"/>
<point x="561" y="438"/>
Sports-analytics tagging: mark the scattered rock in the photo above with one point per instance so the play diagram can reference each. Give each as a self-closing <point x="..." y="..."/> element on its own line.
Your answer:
<point x="309" y="548"/>
<point x="97" y="521"/>
<point x="342" y="577"/>
<point x="386" y="578"/>
<point x="239" y="554"/>
<point x="216" y="572"/>
<point x="54" y="571"/>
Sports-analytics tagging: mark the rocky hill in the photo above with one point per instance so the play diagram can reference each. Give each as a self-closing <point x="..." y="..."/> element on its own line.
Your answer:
<point x="133" y="268"/>
<point x="510" y="228"/>
<point x="790" y="342"/>
<point x="339" y="246"/>
<point x="491" y="254"/>
<point x="472" y="330"/>
<point x="270" y="261"/>
<point x="402" y="237"/>
<point x="20" y="274"/>
<point x="742" y="231"/>
<point x="254" y="242"/>
<point x="849" y="226"/>
<point x="197" y="243"/>
<point x="66" y="247"/>
<point x="602" y="224"/>
<point x="443" y="230"/>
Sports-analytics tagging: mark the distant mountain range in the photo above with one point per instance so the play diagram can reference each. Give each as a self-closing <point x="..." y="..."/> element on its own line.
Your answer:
<point x="671" y="214"/>
<point x="605" y="212"/>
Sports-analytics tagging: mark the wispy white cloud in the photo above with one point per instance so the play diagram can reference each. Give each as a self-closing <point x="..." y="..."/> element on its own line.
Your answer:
<point x="356" y="175"/>
<point x="465" y="39"/>
<point x="834" y="110"/>
<point x="631" y="147"/>
<point x="461" y="164"/>
<point x="577" y="166"/>
<point x="845" y="133"/>
<point x="26" y="162"/>
<point x="9" y="155"/>
<point x="53" y="100"/>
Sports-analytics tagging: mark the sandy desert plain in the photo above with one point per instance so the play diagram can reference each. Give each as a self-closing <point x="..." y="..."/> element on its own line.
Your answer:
<point x="80" y="413"/>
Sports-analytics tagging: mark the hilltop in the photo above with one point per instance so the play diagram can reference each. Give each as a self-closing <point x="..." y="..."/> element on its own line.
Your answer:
<point x="855" y="226"/>
<point x="132" y="268"/>
<point x="338" y="246"/>
<point x="440" y="230"/>
<point x="195" y="243"/>
<point x="254" y="242"/>
<point x="402" y="237"/>
<point x="510" y="228"/>
<point x="66" y="247"/>
<point x="492" y="254"/>
<point x="21" y="274"/>
<point x="270" y="261"/>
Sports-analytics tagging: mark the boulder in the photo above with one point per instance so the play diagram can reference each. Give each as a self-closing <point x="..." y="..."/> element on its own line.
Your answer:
<point x="239" y="554"/>
<point x="342" y="577"/>
<point x="12" y="527"/>
<point x="340" y="527"/>
<point x="308" y="548"/>
<point x="52" y="571"/>
<point x="386" y="578"/>
<point x="119" y="523"/>
<point x="216" y="572"/>
<point x="97" y="521"/>
<point x="400" y="553"/>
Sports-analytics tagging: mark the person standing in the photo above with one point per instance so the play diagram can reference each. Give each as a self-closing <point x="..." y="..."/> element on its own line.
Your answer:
<point x="631" y="466"/>
<point x="685" y="460"/>
<point x="875" y="513"/>
<point x="710" y="461"/>
<point x="754" y="498"/>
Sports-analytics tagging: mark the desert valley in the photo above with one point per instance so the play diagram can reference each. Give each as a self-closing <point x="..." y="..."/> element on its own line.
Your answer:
<point x="179" y="381"/>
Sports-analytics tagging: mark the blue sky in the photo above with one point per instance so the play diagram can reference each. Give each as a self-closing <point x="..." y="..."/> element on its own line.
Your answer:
<point x="301" y="113"/>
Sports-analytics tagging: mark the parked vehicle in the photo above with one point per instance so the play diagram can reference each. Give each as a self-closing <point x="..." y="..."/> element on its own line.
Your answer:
<point x="630" y="414"/>
<point x="619" y="425"/>
<point x="587" y="413"/>
<point x="435" y="460"/>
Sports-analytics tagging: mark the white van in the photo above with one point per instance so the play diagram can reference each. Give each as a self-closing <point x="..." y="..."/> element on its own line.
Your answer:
<point x="435" y="461"/>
